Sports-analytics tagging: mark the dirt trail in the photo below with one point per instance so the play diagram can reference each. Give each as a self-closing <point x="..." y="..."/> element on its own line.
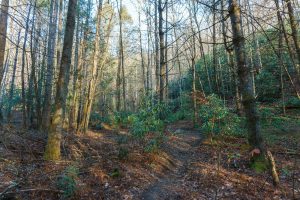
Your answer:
<point x="183" y="152"/>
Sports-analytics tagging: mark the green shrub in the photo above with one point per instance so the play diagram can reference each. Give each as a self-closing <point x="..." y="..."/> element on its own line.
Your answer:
<point x="266" y="114"/>
<point x="180" y="108"/>
<point x="122" y="139"/>
<point x="148" y="124"/>
<point x="293" y="102"/>
<point x="67" y="182"/>
<point x="121" y="119"/>
<point x="270" y="118"/>
<point x="267" y="86"/>
<point x="153" y="144"/>
<point x="96" y="120"/>
<point x="217" y="119"/>
<point x="179" y="115"/>
<point x="147" y="119"/>
<point x="123" y="153"/>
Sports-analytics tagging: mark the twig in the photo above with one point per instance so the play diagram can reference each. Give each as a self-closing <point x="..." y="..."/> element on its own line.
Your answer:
<point x="35" y="189"/>
<point x="14" y="184"/>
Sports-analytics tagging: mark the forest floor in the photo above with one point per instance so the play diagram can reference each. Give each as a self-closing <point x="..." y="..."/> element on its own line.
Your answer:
<point x="108" y="164"/>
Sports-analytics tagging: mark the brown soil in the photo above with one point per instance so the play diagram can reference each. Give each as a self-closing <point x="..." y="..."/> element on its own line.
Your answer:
<point x="185" y="167"/>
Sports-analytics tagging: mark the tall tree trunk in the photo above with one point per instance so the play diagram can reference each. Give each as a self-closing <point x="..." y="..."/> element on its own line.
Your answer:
<point x="215" y="61"/>
<point x="122" y="63"/>
<point x="50" y="66"/>
<point x="32" y="88"/>
<point x="195" y="109"/>
<point x="34" y="83"/>
<point x="201" y="46"/>
<point x="166" y="52"/>
<point x="179" y="67"/>
<point x="23" y="68"/>
<point x="162" y="88"/>
<point x="157" y="60"/>
<point x="294" y="26"/>
<point x="12" y="84"/>
<point x="3" y="33"/>
<point x="52" y="151"/>
<point x="280" y="47"/>
<point x="294" y="79"/>
<point x="75" y="109"/>
<point x="249" y="102"/>
<point x="119" y="70"/>
<point x="231" y="62"/>
<point x="75" y="72"/>
<point x="144" y="80"/>
<point x="251" y="58"/>
<point x="257" y="63"/>
<point x="149" y="85"/>
<point x="2" y="86"/>
<point x="59" y="32"/>
<point x="92" y="83"/>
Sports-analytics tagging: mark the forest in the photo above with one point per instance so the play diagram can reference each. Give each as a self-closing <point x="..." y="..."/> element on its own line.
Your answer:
<point x="150" y="99"/>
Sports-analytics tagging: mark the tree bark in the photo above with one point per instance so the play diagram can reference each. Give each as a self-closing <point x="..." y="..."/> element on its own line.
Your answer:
<point x="92" y="83"/>
<point x="59" y="32"/>
<point x="23" y="69"/>
<point x="201" y="46"/>
<point x="3" y="33"/>
<point x="294" y="27"/>
<point x="76" y="69"/>
<point x="122" y="58"/>
<point x="33" y="79"/>
<point x="52" y="151"/>
<point x="249" y="102"/>
<point x="231" y="63"/>
<point x="162" y="88"/>
<point x="216" y="85"/>
<point x="12" y="84"/>
<point x="156" y="40"/>
<point x="50" y="66"/>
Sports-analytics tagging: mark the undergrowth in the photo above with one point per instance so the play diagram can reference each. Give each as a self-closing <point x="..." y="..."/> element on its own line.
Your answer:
<point x="217" y="119"/>
<point x="67" y="182"/>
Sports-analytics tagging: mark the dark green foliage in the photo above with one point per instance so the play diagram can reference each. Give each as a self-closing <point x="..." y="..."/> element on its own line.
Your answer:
<point x="96" y="120"/>
<point x="293" y="102"/>
<point x="122" y="139"/>
<point x="16" y="99"/>
<point x="217" y="119"/>
<point x="153" y="145"/>
<point x="121" y="119"/>
<point x="147" y="119"/>
<point x="115" y="173"/>
<point x="267" y="114"/>
<point x="270" y="118"/>
<point x="123" y="153"/>
<point x="67" y="182"/>
<point x="267" y="86"/>
<point x="181" y="108"/>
